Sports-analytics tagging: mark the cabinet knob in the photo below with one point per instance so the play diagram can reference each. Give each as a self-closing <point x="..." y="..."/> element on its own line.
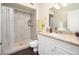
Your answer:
<point x="52" y="49"/>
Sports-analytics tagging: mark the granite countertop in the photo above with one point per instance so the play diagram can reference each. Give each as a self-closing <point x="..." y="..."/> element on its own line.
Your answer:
<point x="70" y="38"/>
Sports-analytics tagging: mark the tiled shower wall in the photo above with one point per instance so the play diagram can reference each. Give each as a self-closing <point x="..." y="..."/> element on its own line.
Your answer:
<point x="21" y="28"/>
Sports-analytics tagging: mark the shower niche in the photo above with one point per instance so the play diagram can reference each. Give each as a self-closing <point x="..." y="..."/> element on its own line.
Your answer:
<point x="20" y="23"/>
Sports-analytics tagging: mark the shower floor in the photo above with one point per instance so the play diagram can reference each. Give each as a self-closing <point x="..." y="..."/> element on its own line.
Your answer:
<point x="20" y="46"/>
<point x="23" y="49"/>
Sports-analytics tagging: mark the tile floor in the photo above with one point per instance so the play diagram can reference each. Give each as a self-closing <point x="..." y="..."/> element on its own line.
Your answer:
<point x="27" y="51"/>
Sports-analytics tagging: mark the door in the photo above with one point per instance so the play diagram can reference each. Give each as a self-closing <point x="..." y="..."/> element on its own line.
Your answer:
<point x="21" y="27"/>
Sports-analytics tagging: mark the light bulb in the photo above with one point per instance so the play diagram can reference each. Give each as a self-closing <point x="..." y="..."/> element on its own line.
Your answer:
<point x="57" y="7"/>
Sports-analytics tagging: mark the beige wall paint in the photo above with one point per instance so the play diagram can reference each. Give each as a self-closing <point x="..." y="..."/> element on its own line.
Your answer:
<point x="44" y="13"/>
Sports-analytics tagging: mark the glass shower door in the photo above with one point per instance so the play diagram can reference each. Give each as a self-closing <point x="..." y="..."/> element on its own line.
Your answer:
<point x="7" y="29"/>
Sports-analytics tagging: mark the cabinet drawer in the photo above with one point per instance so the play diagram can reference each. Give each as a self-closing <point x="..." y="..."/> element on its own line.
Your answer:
<point x="55" y="49"/>
<point x="59" y="51"/>
<point x="73" y="49"/>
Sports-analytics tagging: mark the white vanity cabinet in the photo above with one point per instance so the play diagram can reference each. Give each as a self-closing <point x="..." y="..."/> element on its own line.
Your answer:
<point x="46" y="48"/>
<point x="53" y="46"/>
<point x="71" y="49"/>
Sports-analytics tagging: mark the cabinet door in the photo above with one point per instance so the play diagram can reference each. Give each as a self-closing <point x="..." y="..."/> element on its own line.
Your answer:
<point x="59" y="51"/>
<point x="48" y="47"/>
<point x="44" y="46"/>
<point x="41" y="45"/>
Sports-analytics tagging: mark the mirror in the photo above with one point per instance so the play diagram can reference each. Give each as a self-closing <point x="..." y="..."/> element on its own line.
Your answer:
<point x="50" y="20"/>
<point x="65" y="18"/>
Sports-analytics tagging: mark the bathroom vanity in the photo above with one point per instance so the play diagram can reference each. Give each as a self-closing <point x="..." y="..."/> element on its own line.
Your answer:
<point x="58" y="44"/>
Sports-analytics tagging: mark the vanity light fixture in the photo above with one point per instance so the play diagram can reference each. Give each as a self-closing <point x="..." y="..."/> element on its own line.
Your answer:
<point x="64" y="4"/>
<point x="57" y="6"/>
